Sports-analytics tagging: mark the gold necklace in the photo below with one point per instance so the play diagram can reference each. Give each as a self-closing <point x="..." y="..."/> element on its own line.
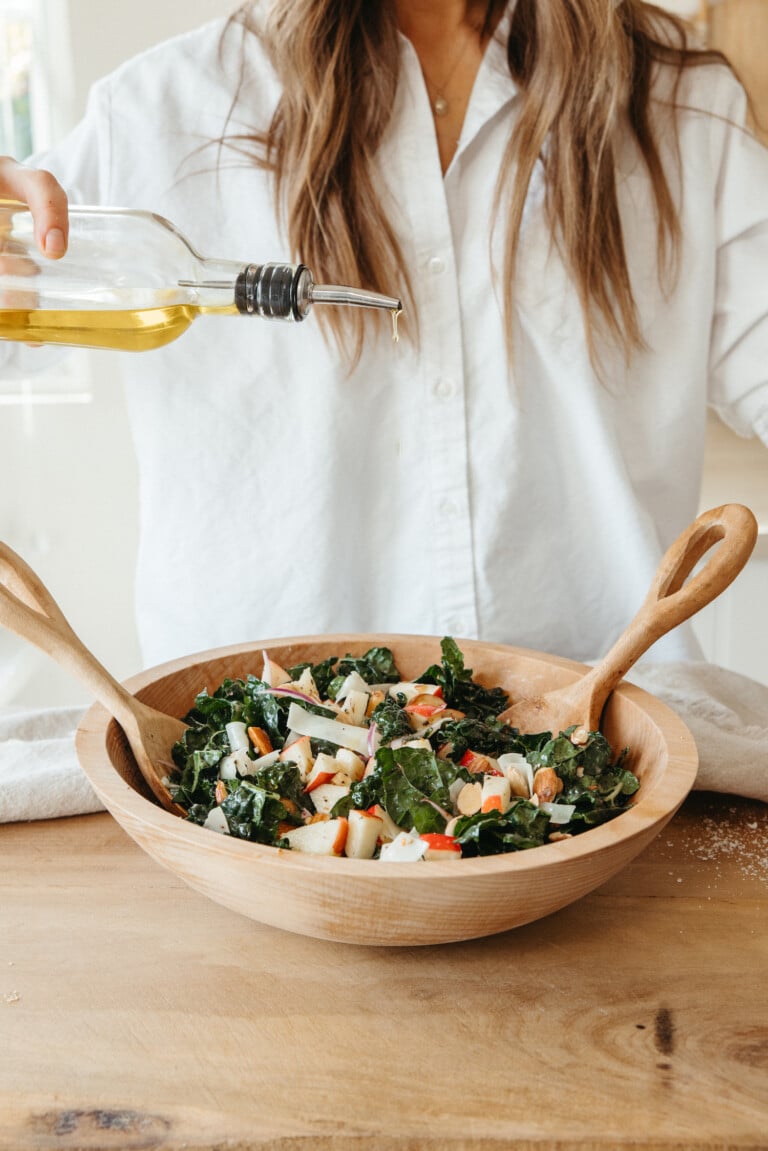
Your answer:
<point x="440" y="103"/>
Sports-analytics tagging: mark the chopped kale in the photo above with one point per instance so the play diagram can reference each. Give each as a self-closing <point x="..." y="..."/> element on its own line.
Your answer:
<point x="413" y="784"/>
<point x="491" y="833"/>
<point x="391" y="719"/>
<point x="255" y="813"/>
<point x="460" y="691"/>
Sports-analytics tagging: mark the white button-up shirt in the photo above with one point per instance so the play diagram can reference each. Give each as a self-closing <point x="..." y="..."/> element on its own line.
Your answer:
<point x="435" y="490"/>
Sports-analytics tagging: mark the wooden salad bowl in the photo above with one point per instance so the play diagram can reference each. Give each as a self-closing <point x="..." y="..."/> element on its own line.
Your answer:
<point x="392" y="904"/>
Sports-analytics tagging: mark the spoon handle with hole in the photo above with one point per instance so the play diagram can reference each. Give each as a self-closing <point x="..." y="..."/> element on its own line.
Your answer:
<point x="671" y="600"/>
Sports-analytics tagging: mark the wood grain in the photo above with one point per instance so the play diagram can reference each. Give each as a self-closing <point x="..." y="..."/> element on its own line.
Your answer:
<point x="134" y="1013"/>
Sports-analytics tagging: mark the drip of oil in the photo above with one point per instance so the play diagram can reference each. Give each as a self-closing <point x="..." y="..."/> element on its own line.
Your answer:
<point x="132" y="330"/>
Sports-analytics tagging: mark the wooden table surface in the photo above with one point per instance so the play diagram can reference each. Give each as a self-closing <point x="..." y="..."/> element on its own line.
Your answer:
<point x="135" y="1013"/>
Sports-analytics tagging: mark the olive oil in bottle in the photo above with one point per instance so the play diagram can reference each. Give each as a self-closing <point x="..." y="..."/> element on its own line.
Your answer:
<point x="140" y="330"/>
<point x="131" y="281"/>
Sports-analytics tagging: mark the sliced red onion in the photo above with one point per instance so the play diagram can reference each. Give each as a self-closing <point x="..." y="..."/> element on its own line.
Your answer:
<point x="292" y="693"/>
<point x="374" y="740"/>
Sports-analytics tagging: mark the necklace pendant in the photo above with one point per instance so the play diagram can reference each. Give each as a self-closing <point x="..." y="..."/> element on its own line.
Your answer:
<point x="440" y="106"/>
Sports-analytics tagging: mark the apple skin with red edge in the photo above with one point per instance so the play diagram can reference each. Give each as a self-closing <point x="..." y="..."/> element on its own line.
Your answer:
<point x="323" y="770"/>
<point x="327" y="837"/>
<point x="441" y="846"/>
<point x="299" y="751"/>
<point x="362" y="835"/>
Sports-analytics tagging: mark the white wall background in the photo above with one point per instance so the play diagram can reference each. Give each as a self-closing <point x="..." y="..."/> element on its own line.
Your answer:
<point x="68" y="501"/>
<point x="106" y="32"/>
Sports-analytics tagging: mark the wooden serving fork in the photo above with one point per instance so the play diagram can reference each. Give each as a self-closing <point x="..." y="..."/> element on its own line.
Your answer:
<point x="669" y="602"/>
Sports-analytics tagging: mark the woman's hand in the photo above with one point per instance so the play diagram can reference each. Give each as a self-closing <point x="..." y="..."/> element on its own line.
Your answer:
<point x="46" y="199"/>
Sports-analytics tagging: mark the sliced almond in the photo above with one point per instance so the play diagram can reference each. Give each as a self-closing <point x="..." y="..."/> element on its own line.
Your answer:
<point x="518" y="784"/>
<point x="547" y="785"/>
<point x="470" y="798"/>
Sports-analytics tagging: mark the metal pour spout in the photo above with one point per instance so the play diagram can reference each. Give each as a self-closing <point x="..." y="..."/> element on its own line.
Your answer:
<point x="288" y="291"/>
<point x="356" y="297"/>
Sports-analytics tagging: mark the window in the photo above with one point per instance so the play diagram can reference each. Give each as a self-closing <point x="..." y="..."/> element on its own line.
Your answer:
<point x="35" y="81"/>
<point x="16" y="67"/>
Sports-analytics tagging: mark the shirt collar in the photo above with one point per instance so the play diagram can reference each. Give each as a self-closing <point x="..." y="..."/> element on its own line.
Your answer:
<point x="493" y="90"/>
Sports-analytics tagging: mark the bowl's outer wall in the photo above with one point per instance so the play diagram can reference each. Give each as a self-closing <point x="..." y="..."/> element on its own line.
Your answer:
<point x="368" y="902"/>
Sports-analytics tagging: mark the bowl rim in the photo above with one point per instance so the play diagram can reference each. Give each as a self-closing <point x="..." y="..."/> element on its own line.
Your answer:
<point x="652" y="809"/>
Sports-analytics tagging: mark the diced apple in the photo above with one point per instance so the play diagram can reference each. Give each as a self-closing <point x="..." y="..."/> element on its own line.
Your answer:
<point x="326" y="795"/>
<point x="441" y="847"/>
<point x="389" y="829"/>
<point x="326" y="837"/>
<point x="299" y="751"/>
<point x="307" y="686"/>
<point x="355" y="707"/>
<point x="273" y="674"/>
<point x="426" y="705"/>
<point x="496" y="794"/>
<point x="350" y="762"/>
<point x="353" y="682"/>
<point x="362" y="835"/>
<point x="323" y="771"/>
<point x="216" y="820"/>
<point x="404" y="848"/>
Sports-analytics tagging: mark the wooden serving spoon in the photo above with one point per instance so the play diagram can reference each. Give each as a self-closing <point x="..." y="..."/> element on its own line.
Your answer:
<point x="28" y="609"/>
<point x="669" y="602"/>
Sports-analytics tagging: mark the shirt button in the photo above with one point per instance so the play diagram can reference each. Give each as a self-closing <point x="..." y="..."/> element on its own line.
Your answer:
<point x="436" y="265"/>
<point x="449" y="509"/>
<point x="445" y="387"/>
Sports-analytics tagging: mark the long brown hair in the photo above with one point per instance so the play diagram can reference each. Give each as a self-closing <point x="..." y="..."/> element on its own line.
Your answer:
<point x="585" y="71"/>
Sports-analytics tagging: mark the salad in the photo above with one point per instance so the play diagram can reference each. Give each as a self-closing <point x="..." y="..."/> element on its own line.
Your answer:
<point x="345" y="757"/>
